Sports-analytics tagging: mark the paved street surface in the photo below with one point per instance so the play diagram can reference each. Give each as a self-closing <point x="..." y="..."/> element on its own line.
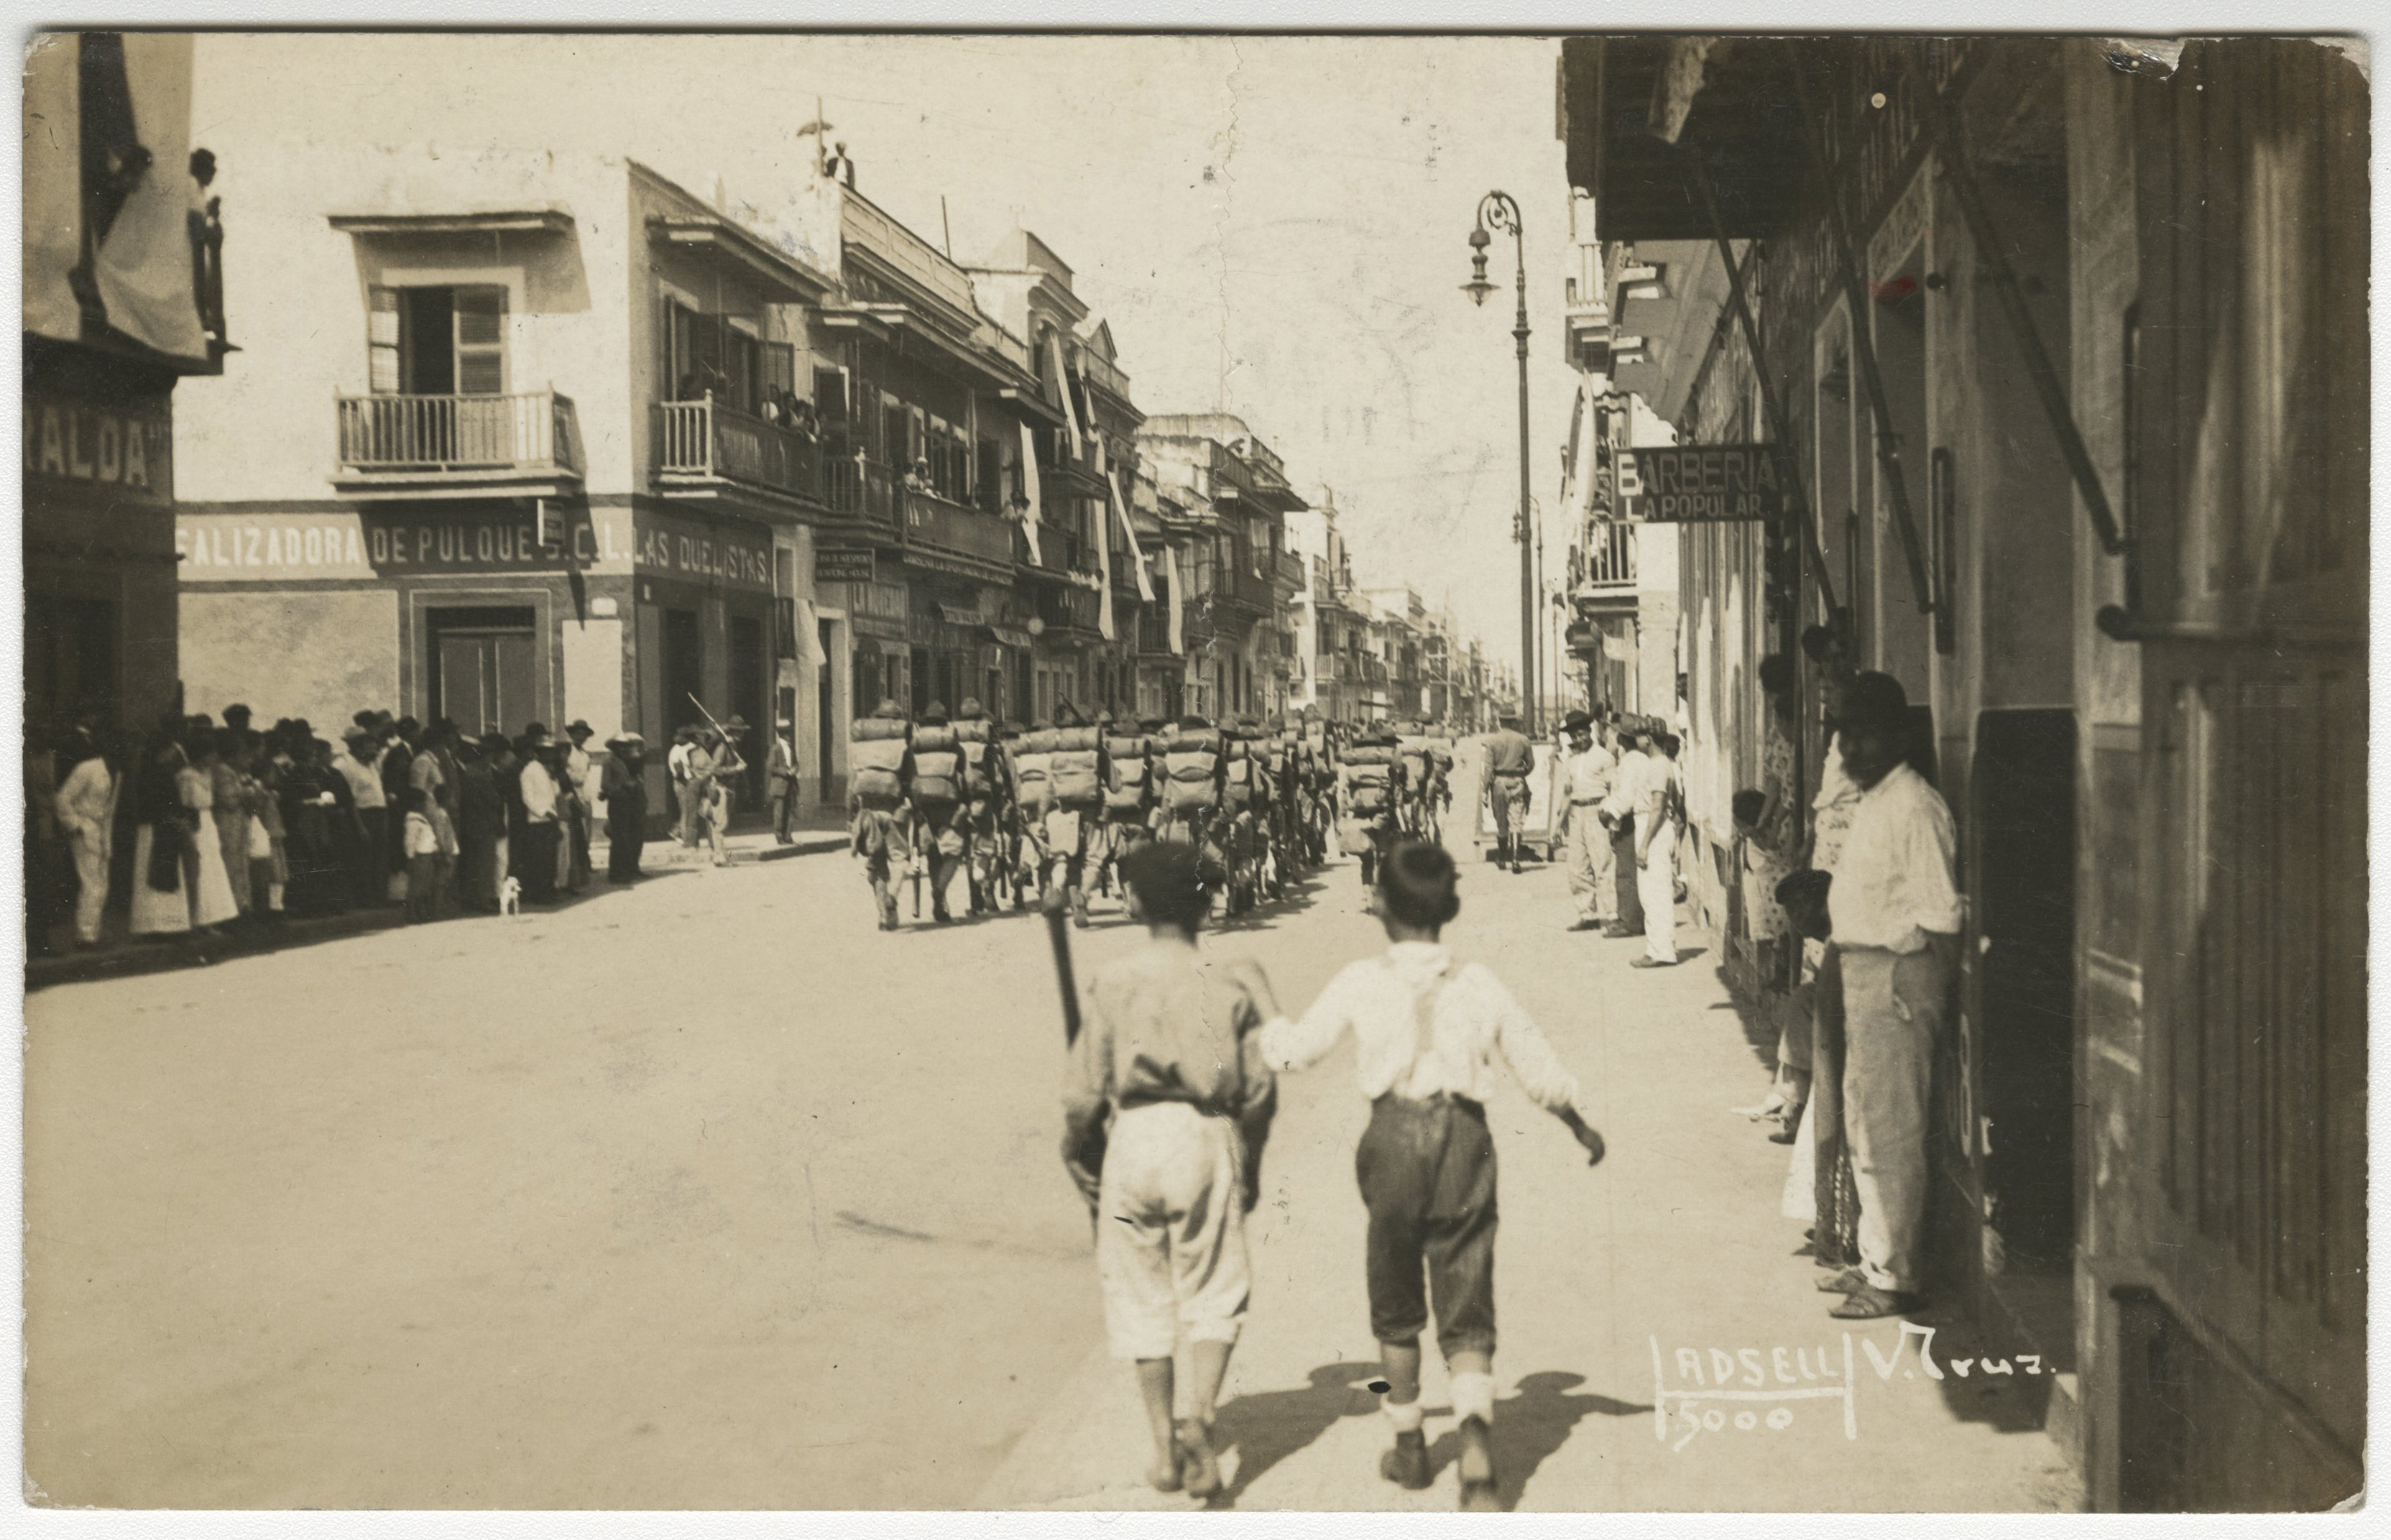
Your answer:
<point x="709" y="1195"/>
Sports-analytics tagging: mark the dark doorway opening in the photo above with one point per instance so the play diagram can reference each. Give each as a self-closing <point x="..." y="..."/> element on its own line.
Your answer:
<point x="684" y="668"/>
<point x="748" y="700"/>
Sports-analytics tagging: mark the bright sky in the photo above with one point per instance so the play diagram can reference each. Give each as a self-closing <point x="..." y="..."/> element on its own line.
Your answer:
<point x="1275" y="225"/>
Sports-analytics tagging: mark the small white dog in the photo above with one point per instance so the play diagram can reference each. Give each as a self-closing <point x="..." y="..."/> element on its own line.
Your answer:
<point x="510" y="895"/>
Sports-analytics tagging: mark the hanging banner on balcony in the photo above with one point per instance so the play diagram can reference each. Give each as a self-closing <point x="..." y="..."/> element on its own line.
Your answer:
<point x="1698" y="484"/>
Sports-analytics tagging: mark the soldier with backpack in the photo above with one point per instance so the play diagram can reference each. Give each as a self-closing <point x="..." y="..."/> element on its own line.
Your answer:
<point x="1192" y="771"/>
<point x="935" y="789"/>
<point x="1128" y="789"/>
<point x="878" y="753"/>
<point x="1030" y="757"/>
<point x="1074" y="820"/>
<point x="983" y="808"/>
<point x="1369" y="792"/>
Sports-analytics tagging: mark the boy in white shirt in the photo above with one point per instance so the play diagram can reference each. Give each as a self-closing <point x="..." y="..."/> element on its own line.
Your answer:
<point x="1427" y="1033"/>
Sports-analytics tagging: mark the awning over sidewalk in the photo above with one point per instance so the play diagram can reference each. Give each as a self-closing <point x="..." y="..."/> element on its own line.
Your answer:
<point x="1731" y="98"/>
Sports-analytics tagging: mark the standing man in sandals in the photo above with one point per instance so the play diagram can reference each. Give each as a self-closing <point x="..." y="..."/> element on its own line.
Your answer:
<point x="1896" y="914"/>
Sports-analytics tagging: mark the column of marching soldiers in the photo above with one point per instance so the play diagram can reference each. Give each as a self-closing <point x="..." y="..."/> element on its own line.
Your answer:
<point x="1041" y="814"/>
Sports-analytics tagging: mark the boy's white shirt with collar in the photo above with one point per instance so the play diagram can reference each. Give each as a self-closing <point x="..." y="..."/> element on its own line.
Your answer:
<point x="1624" y="785"/>
<point x="1474" y="1019"/>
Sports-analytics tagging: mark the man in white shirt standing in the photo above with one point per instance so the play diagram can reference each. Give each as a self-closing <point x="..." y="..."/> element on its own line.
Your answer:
<point x="536" y="866"/>
<point x="1660" y="816"/>
<point x="360" y="766"/>
<point x="1618" y="814"/>
<point x="1587" y="772"/>
<point x="1896" y="914"/>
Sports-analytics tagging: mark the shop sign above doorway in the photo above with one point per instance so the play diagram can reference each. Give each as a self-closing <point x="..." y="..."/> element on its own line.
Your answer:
<point x="1700" y="483"/>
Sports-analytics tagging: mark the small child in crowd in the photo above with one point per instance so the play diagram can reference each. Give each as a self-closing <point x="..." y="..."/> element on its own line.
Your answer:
<point x="420" y="843"/>
<point x="1166" y="1106"/>
<point x="1427" y="1033"/>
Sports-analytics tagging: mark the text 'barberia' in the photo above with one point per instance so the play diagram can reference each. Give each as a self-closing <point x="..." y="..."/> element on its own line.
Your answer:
<point x="1700" y="483"/>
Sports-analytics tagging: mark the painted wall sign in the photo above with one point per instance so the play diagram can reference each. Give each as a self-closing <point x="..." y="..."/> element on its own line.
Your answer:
<point x="675" y="547"/>
<point x="374" y="543"/>
<point x="130" y="449"/>
<point x="1698" y="484"/>
<point x="844" y="566"/>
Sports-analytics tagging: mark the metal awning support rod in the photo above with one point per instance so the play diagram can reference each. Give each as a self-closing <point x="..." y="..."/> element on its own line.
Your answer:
<point x="1888" y="450"/>
<point x="1962" y="179"/>
<point x="1779" y="429"/>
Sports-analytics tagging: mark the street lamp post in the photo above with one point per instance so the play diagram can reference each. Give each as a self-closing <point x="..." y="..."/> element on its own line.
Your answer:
<point x="1499" y="211"/>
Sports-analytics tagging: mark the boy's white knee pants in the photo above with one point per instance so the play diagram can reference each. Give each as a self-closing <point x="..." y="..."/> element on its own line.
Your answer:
<point x="1170" y="1231"/>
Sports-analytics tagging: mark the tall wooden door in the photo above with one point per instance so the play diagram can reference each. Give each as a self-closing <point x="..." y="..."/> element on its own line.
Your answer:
<point x="486" y="670"/>
<point x="2247" y="468"/>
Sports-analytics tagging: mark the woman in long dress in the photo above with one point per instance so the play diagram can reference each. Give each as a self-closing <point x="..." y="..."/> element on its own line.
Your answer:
<point x="230" y="784"/>
<point x="211" y="889"/>
<point x="164" y="856"/>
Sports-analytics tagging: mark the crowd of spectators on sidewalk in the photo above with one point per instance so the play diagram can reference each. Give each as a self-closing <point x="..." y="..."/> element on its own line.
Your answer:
<point x="1855" y="917"/>
<point x="205" y="825"/>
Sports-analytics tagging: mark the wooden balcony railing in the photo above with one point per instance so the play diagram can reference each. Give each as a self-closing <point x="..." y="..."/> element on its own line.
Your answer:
<point x="933" y="521"/>
<point x="1610" y="554"/>
<point x="534" y="431"/>
<point x="708" y="438"/>
<point x="1291" y="573"/>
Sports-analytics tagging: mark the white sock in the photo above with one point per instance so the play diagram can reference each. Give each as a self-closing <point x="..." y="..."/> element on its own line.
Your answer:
<point x="1405" y="1418"/>
<point x="1473" y="1396"/>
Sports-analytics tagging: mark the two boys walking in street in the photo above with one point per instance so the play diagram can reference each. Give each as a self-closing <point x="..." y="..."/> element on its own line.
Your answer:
<point x="1177" y="1054"/>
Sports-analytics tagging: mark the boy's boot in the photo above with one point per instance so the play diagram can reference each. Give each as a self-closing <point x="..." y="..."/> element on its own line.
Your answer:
<point x="1473" y="1403"/>
<point x="1406" y="1463"/>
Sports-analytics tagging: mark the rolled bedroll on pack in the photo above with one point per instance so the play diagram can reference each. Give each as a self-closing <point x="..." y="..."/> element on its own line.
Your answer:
<point x="875" y="755"/>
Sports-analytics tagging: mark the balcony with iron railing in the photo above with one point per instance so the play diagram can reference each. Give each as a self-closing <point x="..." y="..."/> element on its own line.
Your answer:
<point x="707" y="447"/>
<point x="401" y="447"/>
<point x="1605" y="566"/>
<point x="938" y="531"/>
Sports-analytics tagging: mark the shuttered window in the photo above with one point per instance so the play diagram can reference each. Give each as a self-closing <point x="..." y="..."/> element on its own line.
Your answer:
<point x="437" y="340"/>
<point x="382" y="341"/>
<point x="481" y="320"/>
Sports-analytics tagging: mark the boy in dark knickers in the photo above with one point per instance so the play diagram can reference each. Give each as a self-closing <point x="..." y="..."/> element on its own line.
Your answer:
<point x="1427" y="1031"/>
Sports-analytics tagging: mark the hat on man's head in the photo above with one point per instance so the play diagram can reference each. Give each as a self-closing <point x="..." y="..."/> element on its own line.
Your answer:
<point x="935" y="714"/>
<point x="1576" y="721"/>
<point x="535" y="734"/>
<point x="971" y="710"/>
<point x="1873" y="700"/>
<point x="578" y="729"/>
<point x="1805" y="887"/>
<point x="496" y="742"/>
<point x="355" y="733"/>
<point x="736" y="724"/>
<point x="888" y="707"/>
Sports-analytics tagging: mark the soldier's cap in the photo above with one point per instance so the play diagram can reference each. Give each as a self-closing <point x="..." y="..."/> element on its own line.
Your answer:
<point x="1576" y="721"/>
<point x="1103" y="717"/>
<point x="1193" y="722"/>
<point x="736" y="724"/>
<point x="888" y="707"/>
<point x="971" y="710"/>
<point x="935" y="714"/>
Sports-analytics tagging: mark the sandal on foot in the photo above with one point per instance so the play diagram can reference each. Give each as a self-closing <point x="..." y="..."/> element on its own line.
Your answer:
<point x="1406" y="1463"/>
<point x="1476" y="1469"/>
<point x="1199" y="1467"/>
<point x="1870" y="1303"/>
<point x="1845" y="1282"/>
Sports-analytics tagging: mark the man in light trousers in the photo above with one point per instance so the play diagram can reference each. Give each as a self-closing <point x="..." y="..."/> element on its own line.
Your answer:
<point x="1586" y="777"/>
<point x="1660" y="816"/>
<point x="1896" y="914"/>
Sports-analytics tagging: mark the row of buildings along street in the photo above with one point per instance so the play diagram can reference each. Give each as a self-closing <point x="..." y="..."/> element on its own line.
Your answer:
<point x="528" y="436"/>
